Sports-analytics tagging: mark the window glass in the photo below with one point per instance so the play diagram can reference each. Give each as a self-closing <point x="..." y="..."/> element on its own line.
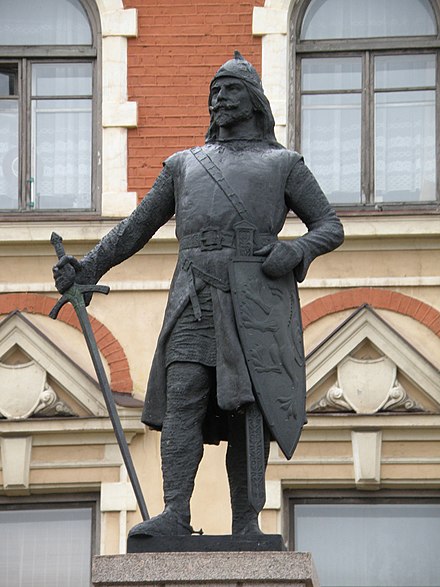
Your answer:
<point x="331" y="125"/>
<point x="9" y="154"/>
<point x="371" y="545"/>
<point x="46" y="548"/>
<point x="52" y="22"/>
<point x="61" y="160"/>
<point x="339" y="19"/>
<point x="8" y="79"/>
<point x="405" y="71"/>
<point x="332" y="74"/>
<point x="62" y="79"/>
<point x="405" y="146"/>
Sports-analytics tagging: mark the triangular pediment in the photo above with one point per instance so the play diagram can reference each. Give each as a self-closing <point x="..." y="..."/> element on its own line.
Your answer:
<point x="37" y="379"/>
<point x="365" y="366"/>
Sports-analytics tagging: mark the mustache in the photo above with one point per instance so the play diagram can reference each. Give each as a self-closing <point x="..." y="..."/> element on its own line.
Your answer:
<point x="224" y="106"/>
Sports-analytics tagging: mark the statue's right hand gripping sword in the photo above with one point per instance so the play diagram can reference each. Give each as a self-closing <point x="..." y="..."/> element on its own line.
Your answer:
<point x="75" y="295"/>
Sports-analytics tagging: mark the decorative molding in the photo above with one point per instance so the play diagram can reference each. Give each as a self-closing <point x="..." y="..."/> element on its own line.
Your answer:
<point x="24" y="392"/>
<point x="367" y="447"/>
<point x="108" y="345"/>
<point x="366" y="387"/>
<point x="408" y="232"/>
<point x="362" y="326"/>
<point x="16" y="332"/>
<point x="16" y="458"/>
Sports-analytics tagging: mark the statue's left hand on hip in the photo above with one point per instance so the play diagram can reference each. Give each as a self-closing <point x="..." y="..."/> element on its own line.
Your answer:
<point x="281" y="257"/>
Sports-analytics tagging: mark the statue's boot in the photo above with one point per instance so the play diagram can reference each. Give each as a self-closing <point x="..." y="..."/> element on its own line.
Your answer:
<point x="168" y="523"/>
<point x="244" y="517"/>
<point x="181" y="448"/>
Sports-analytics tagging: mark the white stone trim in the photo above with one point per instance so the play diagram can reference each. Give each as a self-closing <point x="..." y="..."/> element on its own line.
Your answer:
<point x="361" y="233"/>
<point x="116" y="497"/>
<point x="271" y="22"/>
<point x="273" y="495"/>
<point x="164" y="285"/>
<point x="118" y="113"/>
<point x="16" y="459"/>
<point x="121" y="22"/>
<point x="367" y="447"/>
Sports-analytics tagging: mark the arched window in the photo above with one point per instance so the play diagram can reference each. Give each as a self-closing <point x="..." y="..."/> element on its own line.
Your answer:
<point x="367" y="99"/>
<point x="48" y="54"/>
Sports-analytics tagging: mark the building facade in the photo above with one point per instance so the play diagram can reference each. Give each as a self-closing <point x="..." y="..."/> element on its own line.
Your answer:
<point x="94" y="95"/>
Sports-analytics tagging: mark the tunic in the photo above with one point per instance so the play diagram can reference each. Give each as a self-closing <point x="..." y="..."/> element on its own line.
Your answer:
<point x="270" y="181"/>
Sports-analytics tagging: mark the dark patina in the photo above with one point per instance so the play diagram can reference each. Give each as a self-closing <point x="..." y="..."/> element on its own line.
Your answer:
<point x="229" y="363"/>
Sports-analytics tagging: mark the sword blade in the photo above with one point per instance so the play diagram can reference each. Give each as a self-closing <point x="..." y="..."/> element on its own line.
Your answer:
<point x="255" y="457"/>
<point x="86" y="327"/>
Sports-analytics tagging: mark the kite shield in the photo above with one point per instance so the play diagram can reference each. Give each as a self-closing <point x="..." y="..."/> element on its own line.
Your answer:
<point x="268" y="318"/>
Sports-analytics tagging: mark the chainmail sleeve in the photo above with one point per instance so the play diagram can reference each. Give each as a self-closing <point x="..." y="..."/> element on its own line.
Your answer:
<point x="132" y="233"/>
<point x="307" y="200"/>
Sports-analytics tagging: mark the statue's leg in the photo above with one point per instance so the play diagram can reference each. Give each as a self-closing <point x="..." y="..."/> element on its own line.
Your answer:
<point x="244" y="517"/>
<point x="188" y="386"/>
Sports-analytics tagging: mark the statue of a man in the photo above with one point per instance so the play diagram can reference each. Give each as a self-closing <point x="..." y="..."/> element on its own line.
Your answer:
<point x="199" y="384"/>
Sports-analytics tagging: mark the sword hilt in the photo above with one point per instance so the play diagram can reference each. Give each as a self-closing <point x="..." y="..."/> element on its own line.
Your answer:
<point x="76" y="292"/>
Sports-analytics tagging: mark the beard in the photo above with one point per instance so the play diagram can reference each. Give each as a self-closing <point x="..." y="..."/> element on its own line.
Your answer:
<point x="227" y="114"/>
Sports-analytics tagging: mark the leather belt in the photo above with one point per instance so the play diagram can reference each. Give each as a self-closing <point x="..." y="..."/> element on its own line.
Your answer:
<point x="212" y="239"/>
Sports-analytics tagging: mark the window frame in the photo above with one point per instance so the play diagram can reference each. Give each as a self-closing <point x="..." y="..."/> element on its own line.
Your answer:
<point x="25" y="56"/>
<point x="367" y="49"/>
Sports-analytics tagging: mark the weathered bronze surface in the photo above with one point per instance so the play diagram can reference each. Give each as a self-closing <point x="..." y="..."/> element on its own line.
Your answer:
<point x="224" y="357"/>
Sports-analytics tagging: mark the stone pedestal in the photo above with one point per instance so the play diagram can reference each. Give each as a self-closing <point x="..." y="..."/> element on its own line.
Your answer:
<point x="213" y="569"/>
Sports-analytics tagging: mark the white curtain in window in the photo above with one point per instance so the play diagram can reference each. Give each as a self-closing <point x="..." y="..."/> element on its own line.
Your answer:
<point x="45" y="547"/>
<point x="349" y="19"/>
<point x="52" y="22"/>
<point x="371" y="545"/>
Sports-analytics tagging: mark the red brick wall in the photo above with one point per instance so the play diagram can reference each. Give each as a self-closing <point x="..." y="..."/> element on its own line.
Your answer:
<point x="180" y="45"/>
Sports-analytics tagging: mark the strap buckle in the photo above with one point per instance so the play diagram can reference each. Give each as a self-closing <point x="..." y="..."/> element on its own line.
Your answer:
<point x="210" y="240"/>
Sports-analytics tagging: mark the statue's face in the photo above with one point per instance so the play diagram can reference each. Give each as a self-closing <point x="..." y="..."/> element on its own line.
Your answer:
<point x="230" y="101"/>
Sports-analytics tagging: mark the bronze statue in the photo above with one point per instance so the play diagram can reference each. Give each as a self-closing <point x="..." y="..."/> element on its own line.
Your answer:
<point x="220" y="350"/>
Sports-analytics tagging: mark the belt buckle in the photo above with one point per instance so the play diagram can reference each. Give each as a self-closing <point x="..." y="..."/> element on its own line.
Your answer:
<point x="210" y="240"/>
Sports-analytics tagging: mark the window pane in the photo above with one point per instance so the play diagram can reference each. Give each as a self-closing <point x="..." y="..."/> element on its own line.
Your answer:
<point x="52" y="22"/>
<point x="405" y="71"/>
<point x="331" y="74"/>
<point x="62" y="131"/>
<point x="331" y="143"/>
<point x="339" y="19"/>
<point x="62" y="79"/>
<point x="371" y="545"/>
<point x="8" y="79"/>
<point x="45" y="548"/>
<point x="8" y="154"/>
<point x="405" y="146"/>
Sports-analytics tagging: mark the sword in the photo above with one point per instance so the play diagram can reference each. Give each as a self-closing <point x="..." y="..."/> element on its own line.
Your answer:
<point x="75" y="295"/>
<point x="244" y="238"/>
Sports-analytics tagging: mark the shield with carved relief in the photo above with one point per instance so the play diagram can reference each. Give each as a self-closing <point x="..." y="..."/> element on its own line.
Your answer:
<point x="268" y="318"/>
<point x="20" y="389"/>
<point x="366" y="383"/>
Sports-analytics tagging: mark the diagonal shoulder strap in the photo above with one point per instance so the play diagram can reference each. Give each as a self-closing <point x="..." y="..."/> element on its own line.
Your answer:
<point x="215" y="172"/>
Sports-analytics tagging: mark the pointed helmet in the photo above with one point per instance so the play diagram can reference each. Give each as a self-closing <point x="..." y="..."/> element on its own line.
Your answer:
<point x="240" y="68"/>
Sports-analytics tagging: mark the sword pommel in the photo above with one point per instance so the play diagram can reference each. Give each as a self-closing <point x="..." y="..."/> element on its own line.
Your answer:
<point x="57" y="243"/>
